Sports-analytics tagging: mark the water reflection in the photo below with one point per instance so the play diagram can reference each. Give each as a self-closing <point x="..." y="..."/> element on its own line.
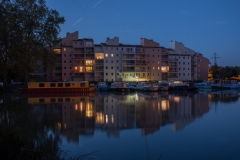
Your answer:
<point x="70" y="115"/>
<point x="82" y="114"/>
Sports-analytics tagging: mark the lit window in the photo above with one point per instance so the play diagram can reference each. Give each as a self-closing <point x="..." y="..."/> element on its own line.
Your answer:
<point x="153" y="67"/>
<point x="64" y="49"/>
<point x="158" y="68"/>
<point x="106" y="55"/>
<point x="111" y="55"/>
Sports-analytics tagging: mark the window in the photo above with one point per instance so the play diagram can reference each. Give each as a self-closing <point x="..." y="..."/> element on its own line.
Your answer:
<point x="41" y="84"/>
<point x="64" y="49"/>
<point x="112" y="74"/>
<point x="52" y="85"/>
<point x="106" y="61"/>
<point x="106" y="74"/>
<point x="106" y="55"/>
<point x="111" y="55"/>
<point x="117" y="61"/>
<point x="64" y="61"/>
<point x="106" y="67"/>
<point x="111" y="67"/>
<point x="82" y="84"/>
<point x="60" y="84"/>
<point x="64" y="55"/>
<point x="67" y="84"/>
<point x="64" y="68"/>
<point x="112" y="61"/>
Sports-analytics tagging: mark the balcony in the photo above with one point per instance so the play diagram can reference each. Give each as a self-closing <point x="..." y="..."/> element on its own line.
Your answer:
<point x="99" y="70"/>
<point x="128" y="70"/>
<point x="173" y="59"/>
<point x="141" y="64"/>
<point x="128" y="64"/>
<point x="78" y="58"/>
<point x="99" y="64"/>
<point x="78" y="52"/>
<point x="141" y="70"/>
<point x="140" y="58"/>
<point x="128" y="58"/>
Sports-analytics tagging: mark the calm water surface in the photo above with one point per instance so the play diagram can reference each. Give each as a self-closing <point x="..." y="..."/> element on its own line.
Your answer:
<point x="148" y="126"/>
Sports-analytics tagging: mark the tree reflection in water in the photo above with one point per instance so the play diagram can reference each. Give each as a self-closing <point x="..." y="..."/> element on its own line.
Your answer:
<point x="25" y="133"/>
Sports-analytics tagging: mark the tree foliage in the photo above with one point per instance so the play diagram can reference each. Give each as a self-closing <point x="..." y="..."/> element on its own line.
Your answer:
<point x="28" y="31"/>
<point x="227" y="72"/>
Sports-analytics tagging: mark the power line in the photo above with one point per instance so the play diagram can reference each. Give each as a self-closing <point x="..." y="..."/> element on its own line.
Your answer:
<point x="215" y="57"/>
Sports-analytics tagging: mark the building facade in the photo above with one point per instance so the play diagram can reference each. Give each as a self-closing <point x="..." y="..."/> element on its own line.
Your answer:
<point x="82" y="60"/>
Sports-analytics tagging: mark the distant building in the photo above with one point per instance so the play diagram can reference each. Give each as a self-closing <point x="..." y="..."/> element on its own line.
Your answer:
<point x="81" y="59"/>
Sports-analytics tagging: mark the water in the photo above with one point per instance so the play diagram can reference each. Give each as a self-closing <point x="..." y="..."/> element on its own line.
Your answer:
<point x="149" y="126"/>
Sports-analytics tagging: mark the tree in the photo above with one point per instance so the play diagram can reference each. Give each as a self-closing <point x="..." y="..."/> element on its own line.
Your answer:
<point x="29" y="30"/>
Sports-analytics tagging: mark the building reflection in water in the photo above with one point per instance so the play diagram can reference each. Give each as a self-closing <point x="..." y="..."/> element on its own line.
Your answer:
<point x="82" y="114"/>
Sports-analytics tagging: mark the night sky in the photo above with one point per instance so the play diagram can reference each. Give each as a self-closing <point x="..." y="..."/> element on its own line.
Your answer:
<point x="206" y="26"/>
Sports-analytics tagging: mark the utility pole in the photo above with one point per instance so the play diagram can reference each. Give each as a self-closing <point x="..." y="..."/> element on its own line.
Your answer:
<point x="215" y="57"/>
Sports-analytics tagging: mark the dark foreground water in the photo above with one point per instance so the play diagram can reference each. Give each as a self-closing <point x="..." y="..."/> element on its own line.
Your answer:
<point x="148" y="126"/>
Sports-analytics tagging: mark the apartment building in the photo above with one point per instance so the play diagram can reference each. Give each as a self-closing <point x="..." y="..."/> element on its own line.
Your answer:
<point x="81" y="59"/>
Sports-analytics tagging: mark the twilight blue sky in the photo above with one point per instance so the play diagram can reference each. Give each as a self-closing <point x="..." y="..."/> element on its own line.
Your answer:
<point x="206" y="26"/>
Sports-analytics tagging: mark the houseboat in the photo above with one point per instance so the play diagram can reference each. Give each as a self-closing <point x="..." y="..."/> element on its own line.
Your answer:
<point x="163" y="86"/>
<point x="58" y="87"/>
<point x="225" y="84"/>
<point x="147" y="86"/>
<point x="119" y="87"/>
<point x="102" y="86"/>
<point x="177" y="86"/>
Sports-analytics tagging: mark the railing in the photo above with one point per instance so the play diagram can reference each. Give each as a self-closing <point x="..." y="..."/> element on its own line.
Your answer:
<point x="128" y="64"/>
<point x="78" y="58"/>
<point x="141" y="70"/>
<point x="141" y="64"/>
<point x="126" y="58"/>
<point x="99" y="64"/>
<point x="128" y="70"/>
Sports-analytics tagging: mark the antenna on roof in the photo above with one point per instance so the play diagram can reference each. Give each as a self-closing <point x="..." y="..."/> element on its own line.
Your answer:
<point x="215" y="57"/>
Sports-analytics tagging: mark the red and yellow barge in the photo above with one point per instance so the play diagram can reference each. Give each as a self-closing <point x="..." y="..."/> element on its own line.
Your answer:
<point x="58" y="87"/>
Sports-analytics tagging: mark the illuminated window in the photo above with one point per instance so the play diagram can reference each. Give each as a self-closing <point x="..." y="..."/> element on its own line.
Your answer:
<point x="153" y="67"/>
<point x="112" y="119"/>
<point x="89" y="69"/>
<point x="64" y="49"/>
<point x="89" y="62"/>
<point x="158" y="68"/>
<point x="106" y="55"/>
<point x="106" y="118"/>
<point x="111" y="55"/>
<point x="57" y="50"/>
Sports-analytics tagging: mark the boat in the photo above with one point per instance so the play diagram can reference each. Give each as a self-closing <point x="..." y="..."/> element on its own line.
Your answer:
<point x="225" y="84"/>
<point x="163" y="86"/>
<point x="203" y="85"/>
<point x="102" y="86"/>
<point x="147" y="86"/>
<point x="191" y="86"/>
<point x="119" y="87"/>
<point x="58" y="87"/>
<point x="132" y="87"/>
<point x="177" y="86"/>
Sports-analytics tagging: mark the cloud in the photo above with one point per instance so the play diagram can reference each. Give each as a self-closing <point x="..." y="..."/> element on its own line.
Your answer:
<point x="77" y="21"/>
<point x="97" y="4"/>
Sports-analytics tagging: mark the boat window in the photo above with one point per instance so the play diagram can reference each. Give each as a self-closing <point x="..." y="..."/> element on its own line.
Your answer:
<point x="67" y="99"/>
<point x="67" y="84"/>
<point x="41" y="84"/>
<point x="60" y="84"/>
<point x="52" y="85"/>
<point x="60" y="99"/>
<point x="82" y="84"/>
<point x="52" y="100"/>
<point x="41" y="100"/>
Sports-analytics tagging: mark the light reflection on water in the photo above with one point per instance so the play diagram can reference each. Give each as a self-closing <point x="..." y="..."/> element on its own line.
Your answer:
<point x="175" y="125"/>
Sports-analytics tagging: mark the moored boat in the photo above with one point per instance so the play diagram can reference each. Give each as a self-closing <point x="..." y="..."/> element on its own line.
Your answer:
<point x="147" y="86"/>
<point x="58" y="87"/>
<point x="119" y="87"/>
<point x="163" y="86"/>
<point x="102" y="86"/>
<point x="225" y="84"/>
